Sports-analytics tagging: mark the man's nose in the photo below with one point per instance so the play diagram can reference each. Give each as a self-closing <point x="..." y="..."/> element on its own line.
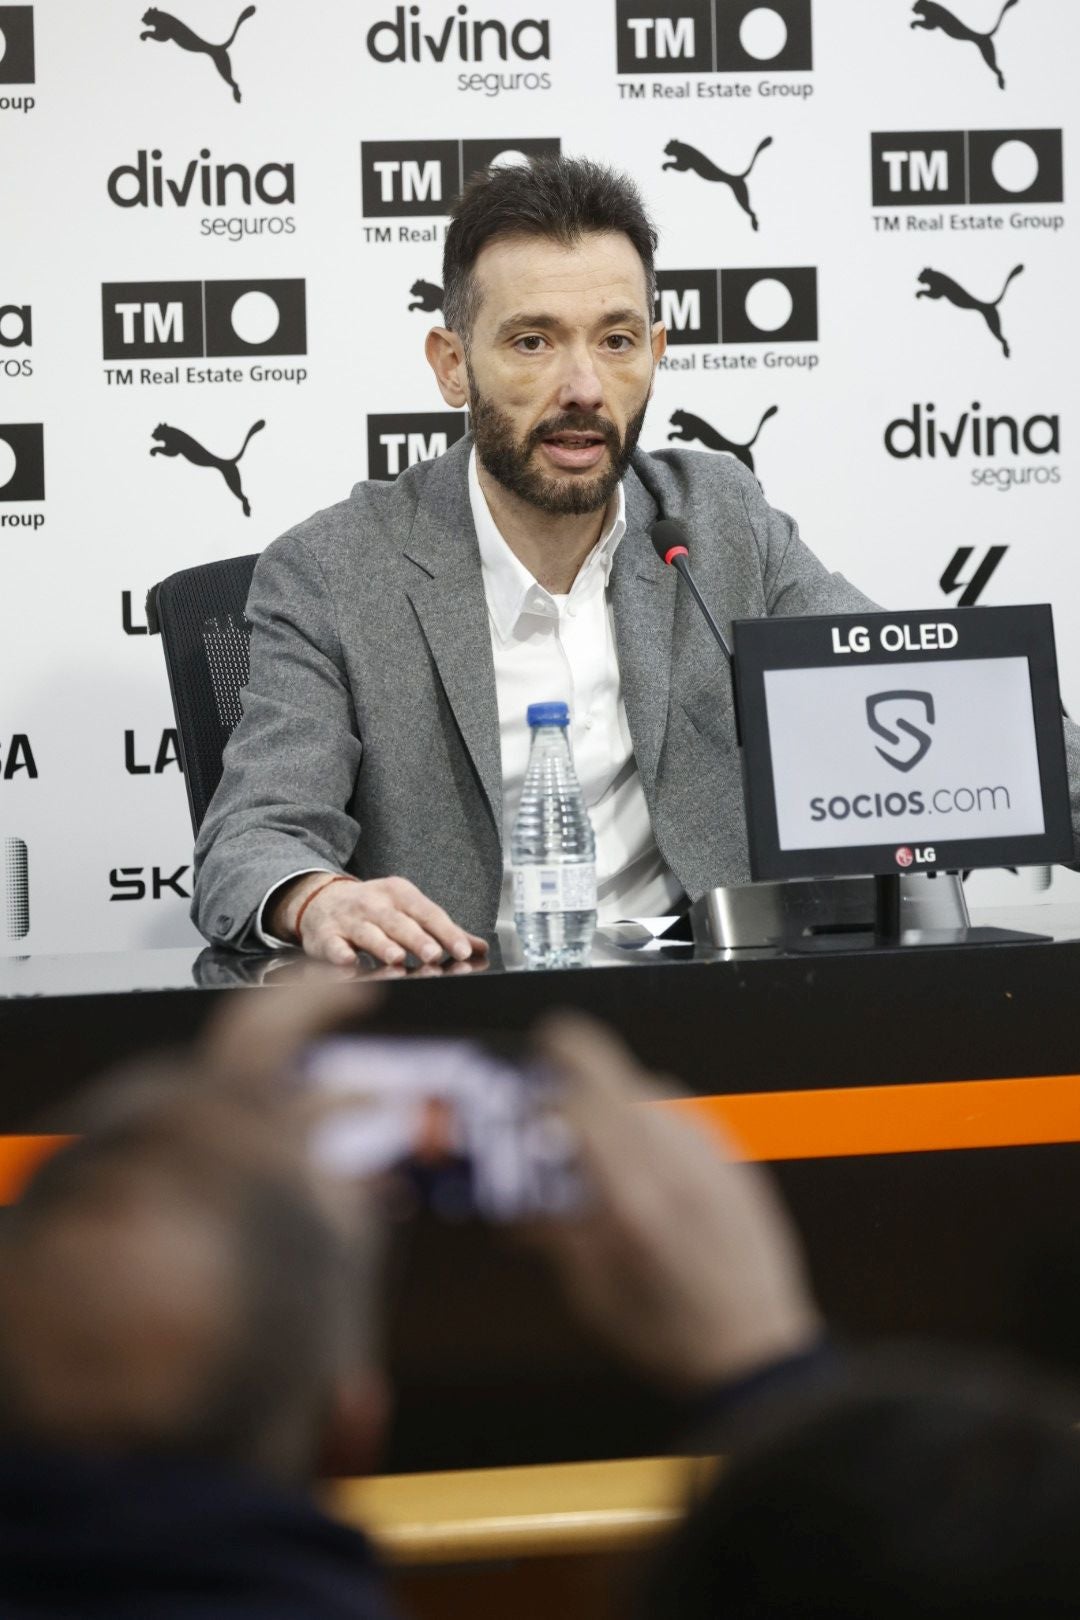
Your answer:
<point x="581" y="388"/>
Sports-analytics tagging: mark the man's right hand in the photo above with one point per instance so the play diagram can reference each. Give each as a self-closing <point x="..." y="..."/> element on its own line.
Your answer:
<point x="386" y="917"/>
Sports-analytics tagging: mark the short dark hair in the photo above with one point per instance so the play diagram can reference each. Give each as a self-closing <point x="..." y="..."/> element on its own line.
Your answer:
<point x="293" y="1321"/>
<point x="943" y="1489"/>
<point x="558" y="197"/>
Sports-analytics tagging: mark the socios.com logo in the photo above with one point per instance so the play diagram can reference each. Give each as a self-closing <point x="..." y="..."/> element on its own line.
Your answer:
<point x="905" y="756"/>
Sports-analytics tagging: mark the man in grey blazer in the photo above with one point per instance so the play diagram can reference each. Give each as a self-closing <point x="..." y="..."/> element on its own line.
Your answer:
<point x="369" y="790"/>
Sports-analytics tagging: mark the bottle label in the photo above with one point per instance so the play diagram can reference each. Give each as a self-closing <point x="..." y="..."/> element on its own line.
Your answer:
<point x="554" y="888"/>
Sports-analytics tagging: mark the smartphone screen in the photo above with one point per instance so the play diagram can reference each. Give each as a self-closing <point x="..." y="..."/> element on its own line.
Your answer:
<point x="471" y="1133"/>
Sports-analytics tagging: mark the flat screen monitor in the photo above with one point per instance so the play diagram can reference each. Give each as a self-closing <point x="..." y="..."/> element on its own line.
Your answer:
<point x="882" y="742"/>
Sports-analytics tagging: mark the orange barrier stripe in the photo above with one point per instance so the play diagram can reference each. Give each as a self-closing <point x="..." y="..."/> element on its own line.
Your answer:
<point x="893" y="1119"/>
<point x="20" y="1157"/>
<point x="830" y="1123"/>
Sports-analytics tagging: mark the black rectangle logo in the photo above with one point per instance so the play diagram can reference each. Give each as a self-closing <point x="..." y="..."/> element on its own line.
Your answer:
<point x="687" y="303"/>
<point x="22" y="461"/>
<point x="166" y="320"/>
<point x="16" y="45"/>
<point x="654" y="38"/>
<point x="774" y="38"/>
<point x="151" y="320"/>
<point x="769" y="306"/>
<point x="724" y="36"/>
<point x="255" y="317"/>
<point x="924" y="168"/>
<point x="408" y="178"/>
<point x="399" y="441"/>
<point x="403" y="178"/>
<point x="778" y="305"/>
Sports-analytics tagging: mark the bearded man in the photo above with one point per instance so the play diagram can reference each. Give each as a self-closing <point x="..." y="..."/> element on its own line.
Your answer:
<point x="370" y="789"/>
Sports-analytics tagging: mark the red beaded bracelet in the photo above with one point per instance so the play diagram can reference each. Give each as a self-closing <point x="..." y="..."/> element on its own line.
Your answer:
<point x="340" y="878"/>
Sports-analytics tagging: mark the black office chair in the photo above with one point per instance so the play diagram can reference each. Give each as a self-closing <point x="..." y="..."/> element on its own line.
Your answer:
<point x="205" y="635"/>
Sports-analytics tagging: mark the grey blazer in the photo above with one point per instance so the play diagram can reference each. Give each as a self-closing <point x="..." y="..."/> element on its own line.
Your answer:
<point x="370" y="738"/>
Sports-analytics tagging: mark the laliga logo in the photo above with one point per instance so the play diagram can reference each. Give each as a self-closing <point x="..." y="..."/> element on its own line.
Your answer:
<point x="906" y="857"/>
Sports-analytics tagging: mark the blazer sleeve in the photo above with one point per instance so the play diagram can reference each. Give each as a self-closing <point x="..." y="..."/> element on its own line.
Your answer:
<point x="795" y="581"/>
<point x="290" y="766"/>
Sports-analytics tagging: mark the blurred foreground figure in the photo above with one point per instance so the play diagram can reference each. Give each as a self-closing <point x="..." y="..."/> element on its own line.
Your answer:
<point x="183" y="1329"/>
<point x="939" y="1491"/>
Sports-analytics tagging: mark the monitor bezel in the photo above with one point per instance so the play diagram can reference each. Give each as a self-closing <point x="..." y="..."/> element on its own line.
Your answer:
<point x="778" y="643"/>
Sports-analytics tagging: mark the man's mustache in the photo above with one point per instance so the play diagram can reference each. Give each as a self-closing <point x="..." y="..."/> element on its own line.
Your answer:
<point x="576" y="422"/>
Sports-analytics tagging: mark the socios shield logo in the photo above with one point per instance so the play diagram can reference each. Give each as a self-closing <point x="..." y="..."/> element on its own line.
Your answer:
<point x="922" y="703"/>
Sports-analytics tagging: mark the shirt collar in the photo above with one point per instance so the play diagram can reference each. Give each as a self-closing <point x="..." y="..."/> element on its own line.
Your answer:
<point x="508" y="585"/>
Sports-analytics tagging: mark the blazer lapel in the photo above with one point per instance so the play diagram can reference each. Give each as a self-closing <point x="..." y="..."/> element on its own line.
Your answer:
<point x="447" y="594"/>
<point x="643" y="597"/>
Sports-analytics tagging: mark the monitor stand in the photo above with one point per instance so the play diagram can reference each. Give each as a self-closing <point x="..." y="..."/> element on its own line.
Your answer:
<point x="887" y="935"/>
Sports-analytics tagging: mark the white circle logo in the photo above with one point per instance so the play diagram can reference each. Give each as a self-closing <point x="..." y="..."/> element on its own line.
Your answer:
<point x="763" y="33"/>
<point x="255" y="318"/>
<point x="8" y="464"/>
<point x="1015" y="166"/>
<point x="768" y="305"/>
<point x="508" y="160"/>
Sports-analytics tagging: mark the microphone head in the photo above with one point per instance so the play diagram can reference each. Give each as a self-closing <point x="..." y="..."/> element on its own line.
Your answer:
<point x="670" y="539"/>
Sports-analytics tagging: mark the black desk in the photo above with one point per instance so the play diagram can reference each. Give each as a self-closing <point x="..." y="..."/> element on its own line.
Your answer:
<point x="978" y="1245"/>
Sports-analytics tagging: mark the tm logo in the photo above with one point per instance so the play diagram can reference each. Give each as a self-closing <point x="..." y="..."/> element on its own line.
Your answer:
<point x="903" y="727"/>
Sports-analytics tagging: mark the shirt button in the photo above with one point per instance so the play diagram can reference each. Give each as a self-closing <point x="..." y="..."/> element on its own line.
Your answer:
<point x="572" y="611"/>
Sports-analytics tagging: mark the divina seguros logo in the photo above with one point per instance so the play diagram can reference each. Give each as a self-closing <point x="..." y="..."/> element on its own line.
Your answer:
<point x="427" y="35"/>
<point x="178" y="320"/>
<point x="977" y="436"/>
<point x="16" y="332"/>
<point x="152" y="181"/>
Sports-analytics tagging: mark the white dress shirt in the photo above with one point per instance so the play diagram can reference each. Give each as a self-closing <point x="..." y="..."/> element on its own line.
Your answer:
<point x="561" y="648"/>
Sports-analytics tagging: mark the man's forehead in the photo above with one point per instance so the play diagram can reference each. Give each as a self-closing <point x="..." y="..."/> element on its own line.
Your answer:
<point x="521" y="269"/>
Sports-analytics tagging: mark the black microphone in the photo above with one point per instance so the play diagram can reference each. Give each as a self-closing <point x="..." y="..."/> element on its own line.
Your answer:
<point x="669" y="540"/>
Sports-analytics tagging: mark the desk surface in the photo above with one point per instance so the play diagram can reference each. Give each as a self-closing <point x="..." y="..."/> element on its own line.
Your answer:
<point x="971" y="1237"/>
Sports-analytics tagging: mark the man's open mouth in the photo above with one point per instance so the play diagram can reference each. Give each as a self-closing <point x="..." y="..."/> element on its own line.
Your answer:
<point x="572" y="450"/>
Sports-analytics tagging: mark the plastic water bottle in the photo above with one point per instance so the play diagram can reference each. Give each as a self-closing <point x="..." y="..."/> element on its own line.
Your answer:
<point x="553" y="851"/>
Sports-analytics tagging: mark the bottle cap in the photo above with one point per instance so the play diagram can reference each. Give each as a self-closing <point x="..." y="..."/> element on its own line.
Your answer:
<point x="548" y="714"/>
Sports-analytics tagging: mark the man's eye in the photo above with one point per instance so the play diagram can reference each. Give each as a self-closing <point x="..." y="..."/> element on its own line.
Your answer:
<point x="618" y="342"/>
<point x="531" y="343"/>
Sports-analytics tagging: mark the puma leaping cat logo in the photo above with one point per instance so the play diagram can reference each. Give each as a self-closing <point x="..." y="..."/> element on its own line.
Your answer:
<point x="163" y="27"/>
<point x="427" y="296"/>
<point x="929" y="15"/>
<point x="685" y="157"/>
<point x="174" y="442"/>
<point x="937" y="285"/>
<point x="689" y="427"/>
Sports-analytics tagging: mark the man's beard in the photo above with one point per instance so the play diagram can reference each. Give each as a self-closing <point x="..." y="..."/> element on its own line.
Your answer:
<point x="510" y="460"/>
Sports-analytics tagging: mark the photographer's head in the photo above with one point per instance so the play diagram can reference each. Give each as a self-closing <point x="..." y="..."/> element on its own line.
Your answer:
<point x="939" y="1490"/>
<point x="173" y="1285"/>
<point x="550" y="338"/>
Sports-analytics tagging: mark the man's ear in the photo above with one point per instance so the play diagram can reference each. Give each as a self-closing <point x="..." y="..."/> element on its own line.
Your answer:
<point x="446" y="357"/>
<point x="355" y="1426"/>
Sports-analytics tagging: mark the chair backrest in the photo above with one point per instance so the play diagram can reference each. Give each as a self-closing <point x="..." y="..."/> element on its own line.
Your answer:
<point x="205" y="635"/>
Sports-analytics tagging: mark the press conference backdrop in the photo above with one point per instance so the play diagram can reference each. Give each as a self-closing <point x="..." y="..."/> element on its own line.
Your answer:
<point x="221" y="228"/>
